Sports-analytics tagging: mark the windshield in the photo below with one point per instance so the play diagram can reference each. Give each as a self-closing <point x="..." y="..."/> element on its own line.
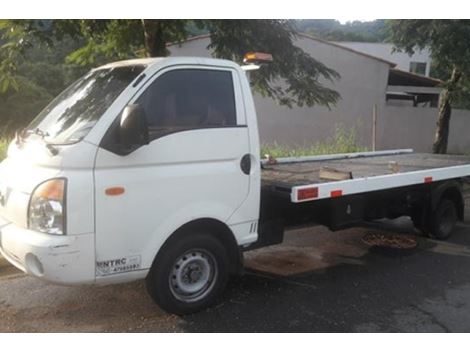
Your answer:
<point x="70" y="116"/>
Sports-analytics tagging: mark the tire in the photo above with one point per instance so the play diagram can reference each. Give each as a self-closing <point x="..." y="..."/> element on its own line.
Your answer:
<point x="443" y="220"/>
<point x="189" y="273"/>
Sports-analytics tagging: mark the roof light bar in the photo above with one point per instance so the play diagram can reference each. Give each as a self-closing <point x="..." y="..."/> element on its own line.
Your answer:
<point x="257" y="58"/>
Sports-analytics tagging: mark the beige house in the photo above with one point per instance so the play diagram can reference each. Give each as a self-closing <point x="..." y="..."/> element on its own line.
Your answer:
<point x="406" y="103"/>
<point x="418" y="62"/>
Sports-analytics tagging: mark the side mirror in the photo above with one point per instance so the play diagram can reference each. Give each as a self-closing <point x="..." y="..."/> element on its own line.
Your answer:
<point x="133" y="127"/>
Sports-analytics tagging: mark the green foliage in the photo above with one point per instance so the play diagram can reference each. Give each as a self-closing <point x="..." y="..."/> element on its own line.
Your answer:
<point x="39" y="58"/>
<point x="300" y="72"/>
<point x="3" y="148"/>
<point x="8" y="59"/>
<point x="461" y="96"/>
<point x="44" y="74"/>
<point x="357" y="31"/>
<point x="343" y="141"/>
<point x="105" y="40"/>
<point x="446" y="39"/>
<point x="38" y="74"/>
<point x="448" y="43"/>
<point x="18" y="108"/>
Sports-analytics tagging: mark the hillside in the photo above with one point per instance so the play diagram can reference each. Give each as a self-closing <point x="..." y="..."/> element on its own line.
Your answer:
<point x="369" y="31"/>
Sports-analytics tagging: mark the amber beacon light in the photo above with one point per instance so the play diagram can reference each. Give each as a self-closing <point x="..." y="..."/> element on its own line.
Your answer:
<point x="257" y="58"/>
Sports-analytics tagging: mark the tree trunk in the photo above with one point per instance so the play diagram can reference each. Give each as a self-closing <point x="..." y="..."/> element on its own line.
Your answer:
<point x="155" y="42"/>
<point x="443" y="121"/>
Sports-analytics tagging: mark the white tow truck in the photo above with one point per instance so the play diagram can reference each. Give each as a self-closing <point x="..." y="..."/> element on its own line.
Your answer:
<point x="151" y="168"/>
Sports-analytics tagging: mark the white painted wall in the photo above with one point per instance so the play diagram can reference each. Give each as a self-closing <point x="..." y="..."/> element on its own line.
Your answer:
<point x="385" y="51"/>
<point x="363" y="83"/>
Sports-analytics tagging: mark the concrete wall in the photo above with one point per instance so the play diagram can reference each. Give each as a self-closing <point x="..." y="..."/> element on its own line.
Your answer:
<point x="408" y="127"/>
<point x="362" y="84"/>
<point x="384" y="51"/>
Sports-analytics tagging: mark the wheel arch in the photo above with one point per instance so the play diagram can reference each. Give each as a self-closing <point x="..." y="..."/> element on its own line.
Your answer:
<point x="216" y="228"/>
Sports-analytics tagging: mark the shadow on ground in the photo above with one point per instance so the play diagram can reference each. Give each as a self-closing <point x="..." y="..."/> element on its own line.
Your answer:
<point x="317" y="281"/>
<point x="350" y="289"/>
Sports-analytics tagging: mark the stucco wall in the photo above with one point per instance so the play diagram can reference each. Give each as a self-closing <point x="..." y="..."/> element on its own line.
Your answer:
<point x="362" y="84"/>
<point x="408" y="127"/>
<point x="385" y="51"/>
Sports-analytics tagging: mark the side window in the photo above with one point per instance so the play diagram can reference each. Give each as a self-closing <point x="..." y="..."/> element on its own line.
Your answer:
<point x="418" y="67"/>
<point x="189" y="99"/>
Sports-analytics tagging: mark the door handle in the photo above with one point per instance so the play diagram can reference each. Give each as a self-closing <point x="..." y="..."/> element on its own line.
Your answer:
<point x="245" y="164"/>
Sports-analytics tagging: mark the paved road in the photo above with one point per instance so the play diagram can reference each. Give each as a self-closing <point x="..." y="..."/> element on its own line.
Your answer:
<point x="317" y="281"/>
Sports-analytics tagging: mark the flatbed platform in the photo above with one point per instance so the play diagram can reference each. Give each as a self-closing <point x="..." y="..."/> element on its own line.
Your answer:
<point x="369" y="172"/>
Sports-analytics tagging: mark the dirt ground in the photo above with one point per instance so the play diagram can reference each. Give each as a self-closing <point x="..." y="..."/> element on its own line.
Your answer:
<point x="316" y="281"/>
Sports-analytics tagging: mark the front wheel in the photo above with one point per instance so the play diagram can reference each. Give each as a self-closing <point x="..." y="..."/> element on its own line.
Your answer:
<point x="189" y="273"/>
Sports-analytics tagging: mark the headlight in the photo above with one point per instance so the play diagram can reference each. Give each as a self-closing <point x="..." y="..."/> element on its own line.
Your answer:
<point x="47" y="207"/>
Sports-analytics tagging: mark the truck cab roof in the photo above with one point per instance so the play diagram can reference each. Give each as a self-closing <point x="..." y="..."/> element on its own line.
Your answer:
<point x="174" y="60"/>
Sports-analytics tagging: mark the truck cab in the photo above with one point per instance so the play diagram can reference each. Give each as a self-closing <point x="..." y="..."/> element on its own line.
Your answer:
<point x="145" y="168"/>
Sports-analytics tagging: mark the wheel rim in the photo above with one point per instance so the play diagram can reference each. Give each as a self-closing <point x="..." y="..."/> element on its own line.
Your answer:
<point x="447" y="222"/>
<point x="193" y="275"/>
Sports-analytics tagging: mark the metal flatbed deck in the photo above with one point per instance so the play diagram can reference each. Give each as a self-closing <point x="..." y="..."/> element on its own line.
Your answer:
<point x="370" y="172"/>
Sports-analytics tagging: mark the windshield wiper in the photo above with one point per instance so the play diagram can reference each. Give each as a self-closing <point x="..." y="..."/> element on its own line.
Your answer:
<point x="37" y="131"/>
<point x="26" y="132"/>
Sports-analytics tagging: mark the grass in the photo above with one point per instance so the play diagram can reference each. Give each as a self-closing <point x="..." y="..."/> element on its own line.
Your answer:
<point x="343" y="141"/>
<point x="3" y="148"/>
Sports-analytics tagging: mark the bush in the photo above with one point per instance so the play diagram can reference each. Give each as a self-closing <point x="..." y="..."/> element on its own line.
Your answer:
<point x="343" y="141"/>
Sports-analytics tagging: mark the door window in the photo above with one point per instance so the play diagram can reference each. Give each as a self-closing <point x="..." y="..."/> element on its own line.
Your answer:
<point x="189" y="99"/>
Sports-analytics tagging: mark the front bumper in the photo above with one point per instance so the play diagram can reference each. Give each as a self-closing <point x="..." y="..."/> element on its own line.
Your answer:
<point x="65" y="260"/>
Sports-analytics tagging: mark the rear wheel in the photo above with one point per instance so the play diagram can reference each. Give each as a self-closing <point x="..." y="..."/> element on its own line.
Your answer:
<point x="189" y="273"/>
<point x="443" y="220"/>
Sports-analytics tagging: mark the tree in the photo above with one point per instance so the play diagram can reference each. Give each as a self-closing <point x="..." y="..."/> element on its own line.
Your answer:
<point x="293" y="78"/>
<point x="447" y="41"/>
<point x="17" y="108"/>
<point x="37" y="80"/>
<point x="333" y="30"/>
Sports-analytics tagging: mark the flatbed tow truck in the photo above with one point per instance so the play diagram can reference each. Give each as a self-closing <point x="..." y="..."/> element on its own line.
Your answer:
<point x="150" y="169"/>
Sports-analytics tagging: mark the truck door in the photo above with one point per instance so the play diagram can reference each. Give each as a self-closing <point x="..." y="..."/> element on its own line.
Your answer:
<point x="191" y="169"/>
